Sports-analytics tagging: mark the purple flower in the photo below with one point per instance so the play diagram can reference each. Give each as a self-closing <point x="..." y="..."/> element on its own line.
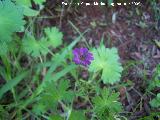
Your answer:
<point x="82" y="56"/>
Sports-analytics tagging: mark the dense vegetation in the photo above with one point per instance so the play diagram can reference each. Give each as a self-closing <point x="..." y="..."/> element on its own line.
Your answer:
<point x="52" y="72"/>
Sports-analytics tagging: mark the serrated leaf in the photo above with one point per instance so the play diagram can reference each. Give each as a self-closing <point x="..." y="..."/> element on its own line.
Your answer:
<point x="106" y="104"/>
<point x="59" y="92"/>
<point x="106" y="59"/>
<point x="54" y="36"/>
<point x="38" y="109"/>
<point x="33" y="47"/>
<point x="53" y="93"/>
<point x="52" y="68"/>
<point x="11" y="20"/>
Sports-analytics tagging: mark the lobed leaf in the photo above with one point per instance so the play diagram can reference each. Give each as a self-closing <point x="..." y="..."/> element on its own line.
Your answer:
<point x="33" y="47"/>
<point x="106" y="104"/>
<point x="106" y="59"/>
<point x="11" y="21"/>
<point x="54" y="36"/>
<point x="52" y="94"/>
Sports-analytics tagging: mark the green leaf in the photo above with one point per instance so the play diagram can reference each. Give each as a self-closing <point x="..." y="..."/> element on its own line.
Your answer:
<point x="157" y="43"/>
<point x="77" y="115"/>
<point x="59" y="59"/>
<point x="106" y="59"/>
<point x="40" y="2"/>
<point x="55" y="117"/>
<point x="11" y="21"/>
<point x="30" y="12"/>
<point x="52" y="68"/>
<point x="53" y="93"/>
<point x="62" y="73"/>
<point x="33" y="47"/>
<point x="151" y="116"/>
<point x="106" y="104"/>
<point x="156" y="101"/>
<point x="4" y="114"/>
<point x="12" y="83"/>
<point x="39" y="108"/>
<point x="54" y="36"/>
<point x="27" y="3"/>
<point x="27" y="6"/>
<point x="24" y="2"/>
<point x="155" y="82"/>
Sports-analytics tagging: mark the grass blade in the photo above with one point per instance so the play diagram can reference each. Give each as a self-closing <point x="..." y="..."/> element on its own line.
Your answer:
<point x="12" y="83"/>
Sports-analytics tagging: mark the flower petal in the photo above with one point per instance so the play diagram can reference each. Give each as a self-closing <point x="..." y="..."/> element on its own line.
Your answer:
<point x="75" y="51"/>
<point x="82" y="56"/>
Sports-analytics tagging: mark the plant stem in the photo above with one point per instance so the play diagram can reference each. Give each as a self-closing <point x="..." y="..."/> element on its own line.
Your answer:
<point x="79" y="33"/>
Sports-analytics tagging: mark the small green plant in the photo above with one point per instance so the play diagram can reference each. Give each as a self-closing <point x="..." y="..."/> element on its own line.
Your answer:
<point x="107" y="60"/>
<point x="43" y="78"/>
<point x="40" y="86"/>
<point x="12" y="14"/>
<point x="156" y="101"/>
<point x="155" y="82"/>
<point x="54" y="36"/>
<point x="11" y="21"/>
<point x="34" y="47"/>
<point x="54" y="94"/>
<point x="27" y="6"/>
<point x="106" y="105"/>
